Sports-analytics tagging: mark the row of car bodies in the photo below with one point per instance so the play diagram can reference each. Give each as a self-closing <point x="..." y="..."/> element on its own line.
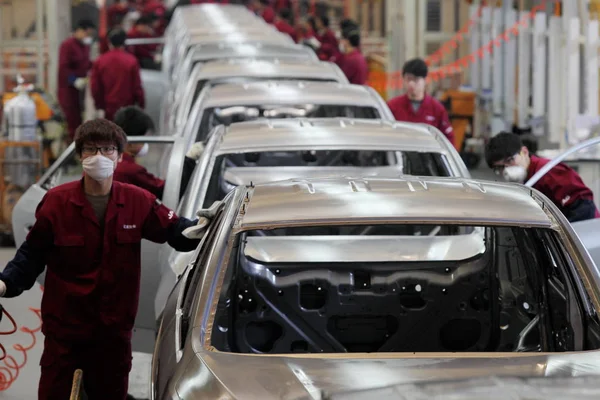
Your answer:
<point x="350" y="252"/>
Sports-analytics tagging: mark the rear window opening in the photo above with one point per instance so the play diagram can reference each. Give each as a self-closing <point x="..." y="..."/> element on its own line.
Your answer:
<point x="232" y="170"/>
<point x="213" y="117"/>
<point x="399" y="288"/>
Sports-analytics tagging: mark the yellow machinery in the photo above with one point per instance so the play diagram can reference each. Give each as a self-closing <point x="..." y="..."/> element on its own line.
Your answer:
<point x="461" y="110"/>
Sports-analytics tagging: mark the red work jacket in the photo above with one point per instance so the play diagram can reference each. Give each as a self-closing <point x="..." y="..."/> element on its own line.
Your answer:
<point x="73" y="62"/>
<point x="354" y="65"/>
<point x="141" y="51"/>
<point x="268" y="15"/>
<point x="284" y="27"/>
<point x="561" y="184"/>
<point x="158" y="9"/>
<point x="329" y="45"/>
<point x="128" y="171"/>
<point x="116" y="12"/>
<point x="281" y="4"/>
<point x="430" y="112"/>
<point x="116" y="82"/>
<point x="93" y="275"/>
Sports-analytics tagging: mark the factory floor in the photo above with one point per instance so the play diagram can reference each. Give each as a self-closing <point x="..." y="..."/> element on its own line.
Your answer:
<point x="24" y="385"/>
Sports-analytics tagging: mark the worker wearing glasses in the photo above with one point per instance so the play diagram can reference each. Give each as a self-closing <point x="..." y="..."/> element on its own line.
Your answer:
<point x="88" y="233"/>
<point x="509" y="158"/>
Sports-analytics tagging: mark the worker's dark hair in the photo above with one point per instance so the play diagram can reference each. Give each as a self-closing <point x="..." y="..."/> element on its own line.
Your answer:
<point x="285" y="13"/>
<point x="143" y="20"/>
<point x="133" y="120"/>
<point x="416" y="67"/>
<point x="99" y="131"/>
<point x="354" y="38"/>
<point x="502" y="146"/>
<point x="324" y="20"/>
<point x="265" y="2"/>
<point x="117" y="37"/>
<point x="313" y="24"/>
<point x="84" y="24"/>
<point x="347" y="23"/>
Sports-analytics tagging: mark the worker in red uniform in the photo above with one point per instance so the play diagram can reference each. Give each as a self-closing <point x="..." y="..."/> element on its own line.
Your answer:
<point x="282" y="23"/>
<point x="115" y="78"/>
<point x="116" y="12"/>
<point x="88" y="234"/>
<point x="416" y="105"/>
<point x="279" y="5"/>
<point x="73" y="67"/>
<point x="158" y="11"/>
<point x="142" y="29"/>
<point x="351" y="60"/>
<point x="135" y="122"/>
<point x="325" y="35"/>
<point x="104" y="43"/>
<point x="508" y="157"/>
<point x="264" y="9"/>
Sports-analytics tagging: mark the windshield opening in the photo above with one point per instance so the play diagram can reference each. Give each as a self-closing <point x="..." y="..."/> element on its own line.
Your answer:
<point x="213" y="117"/>
<point x="231" y="170"/>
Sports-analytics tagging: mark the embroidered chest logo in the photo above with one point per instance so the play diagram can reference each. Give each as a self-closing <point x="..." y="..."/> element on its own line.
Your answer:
<point x="170" y="215"/>
<point x="129" y="226"/>
<point x="430" y="118"/>
<point x="564" y="201"/>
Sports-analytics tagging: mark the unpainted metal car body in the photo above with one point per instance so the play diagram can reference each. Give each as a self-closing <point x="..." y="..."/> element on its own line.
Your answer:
<point x="242" y="70"/>
<point x="215" y="51"/>
<point x="268" y="150"/>
<point x="239" y="102"/>
<point x="307" y="287"/>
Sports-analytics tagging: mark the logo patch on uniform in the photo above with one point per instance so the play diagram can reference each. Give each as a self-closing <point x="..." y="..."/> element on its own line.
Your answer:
<point x="170" y="215"/>
<point x="430" y="118"/>
<point x="564" y="201"/>
<point x="129" y="226"/>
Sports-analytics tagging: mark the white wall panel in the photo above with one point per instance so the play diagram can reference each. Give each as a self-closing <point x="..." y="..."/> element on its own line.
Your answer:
<point x="524" y="67"/>
<point x="539" y="65"/>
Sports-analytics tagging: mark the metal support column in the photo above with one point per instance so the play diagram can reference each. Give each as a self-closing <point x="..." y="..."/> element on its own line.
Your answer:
<point x="396" y="35"/>
<point x="58" y="28"/>
<point x="39" y="31"/>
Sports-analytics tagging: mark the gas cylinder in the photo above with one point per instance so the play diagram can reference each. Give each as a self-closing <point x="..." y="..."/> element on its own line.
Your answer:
<point x="20" y="125"/>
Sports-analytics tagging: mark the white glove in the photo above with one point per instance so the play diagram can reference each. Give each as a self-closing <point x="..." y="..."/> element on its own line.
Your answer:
<point x="2" y="288"/>
<point x="313" y="42"/>
<point x="205" y="217"/>
<point x="158" y="58"/>
<point x="100" y="114"/>
<point x="80" y="83"/>
<point x="196" y="151"/>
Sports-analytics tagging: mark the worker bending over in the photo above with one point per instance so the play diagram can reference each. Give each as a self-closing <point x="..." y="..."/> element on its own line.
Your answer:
<point x="416" y="105"/>
<point x="116" y="80"/>
<point x="88" y="233"/>
<point x="135" y="122"/>
<point x="507" y="156"/>
<point x="73" y="67"/>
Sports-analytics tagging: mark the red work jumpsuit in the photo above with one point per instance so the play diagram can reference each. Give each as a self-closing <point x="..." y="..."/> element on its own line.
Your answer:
<point x="92" y="284"/>
<point x="430" y="112"/>
<point x="329" y="45"/>
<point x="157" y="8"/>
<point x="268" y="14"/>
<point x="128" y="171"/>
<point x="284" y="27"/>
<point x="116" y="82"/>
<point x="115" y="12"/>
<point x="142" y="51"/>
<point x="73" y="62"/>
<point x="565" y="188"/>
<point x="354" y="65"/>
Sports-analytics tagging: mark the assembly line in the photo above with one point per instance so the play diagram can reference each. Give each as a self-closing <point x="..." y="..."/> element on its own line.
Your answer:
<point x="245" y="208"/>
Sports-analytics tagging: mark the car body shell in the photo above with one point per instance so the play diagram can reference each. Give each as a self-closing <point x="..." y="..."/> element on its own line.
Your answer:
<point x="215" y="51"/>
<point x="297" y="134"/>
<point x="186" y="365"/>
<point x="241" y="70"/>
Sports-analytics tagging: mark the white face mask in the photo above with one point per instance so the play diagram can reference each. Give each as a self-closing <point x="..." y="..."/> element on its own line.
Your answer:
<point x="143" y="151"/>
<point x="99" y="167"/>
<point x="515" y="173"/>
<point x="88" y="40"/>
